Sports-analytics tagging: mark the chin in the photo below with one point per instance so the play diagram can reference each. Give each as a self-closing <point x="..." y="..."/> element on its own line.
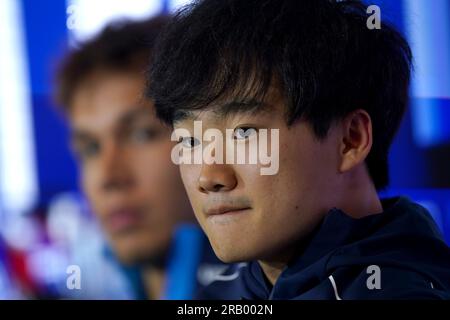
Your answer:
<point x="141" y="256"/>
<point x="227" y="258"/>
<point x="132" y="253"/>
<point x="231" y="255"/>
<point x="127" y="258"/>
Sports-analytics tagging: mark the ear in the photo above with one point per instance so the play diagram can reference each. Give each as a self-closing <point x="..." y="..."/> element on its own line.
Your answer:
<point x="356" y="139"/>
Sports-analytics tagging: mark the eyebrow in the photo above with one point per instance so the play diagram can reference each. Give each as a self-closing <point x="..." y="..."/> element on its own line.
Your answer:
<point x="124" y="120"/>
<point x="241" y="107"/>
<point x="230" y="109"/>
<point x="133" y="115"/>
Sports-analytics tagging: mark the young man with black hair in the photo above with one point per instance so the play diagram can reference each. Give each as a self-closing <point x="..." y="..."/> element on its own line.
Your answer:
<point x="336" y="92"/>
<point x="124" y="154"/>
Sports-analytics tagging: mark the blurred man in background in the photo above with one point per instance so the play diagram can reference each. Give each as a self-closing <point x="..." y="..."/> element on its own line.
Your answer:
<point x="124" y="154"/>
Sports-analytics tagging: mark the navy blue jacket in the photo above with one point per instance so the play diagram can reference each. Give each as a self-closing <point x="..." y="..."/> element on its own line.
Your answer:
<point x="398" y="254"/>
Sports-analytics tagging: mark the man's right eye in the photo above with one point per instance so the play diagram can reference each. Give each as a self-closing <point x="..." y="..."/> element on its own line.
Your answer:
<point x="189" y="142"/>
<point x="88" y="150"/>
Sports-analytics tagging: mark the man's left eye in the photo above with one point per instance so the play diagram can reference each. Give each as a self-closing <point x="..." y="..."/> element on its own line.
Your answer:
<point x="144" y="134"/>
<point x="243" y="133"/>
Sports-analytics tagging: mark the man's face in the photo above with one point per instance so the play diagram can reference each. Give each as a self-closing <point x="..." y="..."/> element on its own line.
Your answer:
<point x="247" y="215"/>
<point x="126" y="171"/>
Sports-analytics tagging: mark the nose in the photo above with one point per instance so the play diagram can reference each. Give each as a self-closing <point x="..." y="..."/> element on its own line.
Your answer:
<point x="114" y="170"/>
<point x="216" y="178"/>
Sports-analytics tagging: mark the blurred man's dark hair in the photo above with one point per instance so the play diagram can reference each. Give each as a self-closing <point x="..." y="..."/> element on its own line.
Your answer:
<point x="112" y="50"/>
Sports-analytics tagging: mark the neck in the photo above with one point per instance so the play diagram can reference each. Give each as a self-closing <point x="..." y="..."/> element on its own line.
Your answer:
<point x="360" y="198"/>
<point x="272" y="270"/>
<point x="272" y="267"/>
<point x="154" y="282"/>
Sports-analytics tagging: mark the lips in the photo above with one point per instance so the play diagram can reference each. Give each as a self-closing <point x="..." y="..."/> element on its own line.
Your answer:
<point x="123" y="219"/>
<point x="222" y="210"/>
<point x="224" y="216"/>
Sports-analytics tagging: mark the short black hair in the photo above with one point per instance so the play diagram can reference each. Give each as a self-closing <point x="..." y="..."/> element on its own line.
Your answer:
<point x="122" y="45"/>
<point x="322" y="54"/>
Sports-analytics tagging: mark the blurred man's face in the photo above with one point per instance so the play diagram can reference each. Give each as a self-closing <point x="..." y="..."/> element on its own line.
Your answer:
<point x="126" y="170"/>
<point x="247" y="215"/>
